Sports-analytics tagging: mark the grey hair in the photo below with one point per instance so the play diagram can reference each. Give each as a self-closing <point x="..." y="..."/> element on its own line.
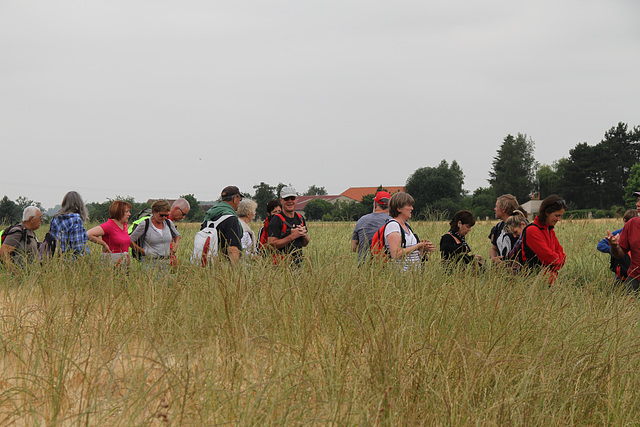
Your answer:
<point x="72" y="203"/>
<point x="181" y="204"/>
<point x="29" y="212"/>
<point x="247" y="207"/>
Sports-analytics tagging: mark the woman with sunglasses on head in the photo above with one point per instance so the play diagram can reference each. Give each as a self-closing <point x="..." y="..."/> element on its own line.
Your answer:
<point x="541" y="248"/>
<point x="157" y="236"/>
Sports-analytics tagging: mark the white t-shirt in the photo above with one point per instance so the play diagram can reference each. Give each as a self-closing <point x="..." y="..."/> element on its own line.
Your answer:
<point x="410" y="239"/>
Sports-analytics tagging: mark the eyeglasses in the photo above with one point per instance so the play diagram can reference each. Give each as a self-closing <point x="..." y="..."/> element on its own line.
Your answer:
<point x="181" y="211"/>
<point x="290" y="198"/>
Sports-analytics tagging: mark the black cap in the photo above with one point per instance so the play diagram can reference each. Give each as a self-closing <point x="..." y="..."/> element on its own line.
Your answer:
<point x="230" y="191"/>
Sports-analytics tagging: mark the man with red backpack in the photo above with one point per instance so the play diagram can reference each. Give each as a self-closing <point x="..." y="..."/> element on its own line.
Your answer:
<point x="369" y="224"/>
<point x="287" y="231"/>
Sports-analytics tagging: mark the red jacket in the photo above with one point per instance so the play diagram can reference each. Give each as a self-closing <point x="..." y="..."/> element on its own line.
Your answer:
<point x="630" y="242"/>
<point x="542" y="240"/>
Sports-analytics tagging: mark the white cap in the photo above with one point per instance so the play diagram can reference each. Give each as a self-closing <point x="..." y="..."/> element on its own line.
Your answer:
<point x="288" y="192"/>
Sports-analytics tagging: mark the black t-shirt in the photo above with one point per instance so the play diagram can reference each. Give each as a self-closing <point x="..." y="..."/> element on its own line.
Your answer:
<point x="275" y="230"/>
<point x="228" y="233"/>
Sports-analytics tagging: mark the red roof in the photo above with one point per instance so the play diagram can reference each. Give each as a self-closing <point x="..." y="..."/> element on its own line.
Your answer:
<point x="356" y="193"/>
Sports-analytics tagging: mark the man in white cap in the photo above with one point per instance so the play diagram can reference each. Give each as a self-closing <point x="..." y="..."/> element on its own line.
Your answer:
<point x="367" y="226"/>
<point x="288" y="230"/>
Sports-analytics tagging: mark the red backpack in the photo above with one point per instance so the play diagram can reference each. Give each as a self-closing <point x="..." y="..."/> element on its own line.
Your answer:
<point x="378" y="247"/>
<point x="263" y="234"/>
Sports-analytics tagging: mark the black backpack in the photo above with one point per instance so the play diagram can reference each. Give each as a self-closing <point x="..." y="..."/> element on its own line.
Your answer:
<point x="47" y="247"/>
<point x="140" y="241"/>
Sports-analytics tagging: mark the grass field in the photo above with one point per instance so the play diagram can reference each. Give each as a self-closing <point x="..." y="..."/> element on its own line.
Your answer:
<point x="328" y="344"/>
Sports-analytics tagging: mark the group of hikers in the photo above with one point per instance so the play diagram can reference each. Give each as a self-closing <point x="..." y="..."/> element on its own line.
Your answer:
<point x="153" y="238"/>
<point x="515" y="243"/>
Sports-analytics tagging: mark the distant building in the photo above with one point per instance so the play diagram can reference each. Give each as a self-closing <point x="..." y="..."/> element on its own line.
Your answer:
<point x="357" y="193"/>
<point x="532" y="207"/>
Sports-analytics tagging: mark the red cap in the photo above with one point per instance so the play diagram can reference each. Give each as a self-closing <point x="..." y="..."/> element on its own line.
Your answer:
<point x="382" y="198"/>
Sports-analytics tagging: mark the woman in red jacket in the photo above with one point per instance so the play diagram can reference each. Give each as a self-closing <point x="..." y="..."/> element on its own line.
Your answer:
<point x="540" y="244"/>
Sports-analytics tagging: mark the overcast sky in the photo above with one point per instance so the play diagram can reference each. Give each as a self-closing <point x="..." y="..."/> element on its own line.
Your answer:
<point x="152" y="98"/>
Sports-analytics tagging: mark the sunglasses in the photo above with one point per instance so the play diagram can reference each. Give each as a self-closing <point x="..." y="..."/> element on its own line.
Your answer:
<point x="163" y="215"/>
<point x="290" y="198"/>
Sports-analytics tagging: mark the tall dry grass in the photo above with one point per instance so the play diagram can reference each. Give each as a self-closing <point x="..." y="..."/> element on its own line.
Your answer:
<point x="330" y="343"/>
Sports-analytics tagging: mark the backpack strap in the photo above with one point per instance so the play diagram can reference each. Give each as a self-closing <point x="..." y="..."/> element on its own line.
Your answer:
<point x="166" y="222"/>
<point x="214" y="224"/>
<point x="455" y="239"/>
<point x="15" y="229"/>
<point x="286" y="223"/>
<point x="403" y="241"/>
<point x="529" y="257"/>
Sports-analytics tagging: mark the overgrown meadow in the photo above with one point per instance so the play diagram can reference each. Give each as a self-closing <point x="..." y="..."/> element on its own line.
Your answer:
<point x="331" y="343"/>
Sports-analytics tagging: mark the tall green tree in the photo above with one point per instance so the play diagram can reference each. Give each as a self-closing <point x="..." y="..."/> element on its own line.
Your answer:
<point x="264" y="193"/>
<point x="619" y="151"/>
<point x="633" y="185"/>
<point x="315" y="209"/>
<point x="316" y="191"/>
<point x="435" y="187"/>
<point x="483" y="202"/>
<point x="596" y="176"/>
<point x="549" y="178"/>
<point x="513" y="168"/>
<point x="583" y="177"/>
<point x="24" y="202"/>
<point x="100" y="211"/>
<point x="10" y="213"/>
<point x="349" y="211"/>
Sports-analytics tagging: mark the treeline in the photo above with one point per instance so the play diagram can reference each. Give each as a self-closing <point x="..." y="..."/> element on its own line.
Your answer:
<point x="11" y="211"/>
<point x="597" y="178"/>
<point x="593" y="178"/>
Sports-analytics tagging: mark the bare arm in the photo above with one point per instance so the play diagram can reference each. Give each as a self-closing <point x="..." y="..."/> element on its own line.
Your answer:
<point x="354" y="245"/>
<point x="95" y="236"/>
<point x="616" y="250"/>
<point x="495" y="255"/>
<point x="397" y="251"/>
<point x="296" y="232"/>
<point x="5" y="255"/>
<point x="233" y="253"/>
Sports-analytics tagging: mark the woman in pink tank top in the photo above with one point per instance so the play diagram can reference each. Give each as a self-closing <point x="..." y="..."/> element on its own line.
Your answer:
<point x="113" y="235"/>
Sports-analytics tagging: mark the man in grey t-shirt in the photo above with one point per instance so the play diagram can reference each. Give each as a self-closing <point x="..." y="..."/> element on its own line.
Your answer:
<point x="20" y="245"/>
<point x="367" y="226"/>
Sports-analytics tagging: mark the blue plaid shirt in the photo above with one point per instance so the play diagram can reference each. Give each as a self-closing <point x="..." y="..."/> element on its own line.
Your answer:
<point x="70" y="234"/>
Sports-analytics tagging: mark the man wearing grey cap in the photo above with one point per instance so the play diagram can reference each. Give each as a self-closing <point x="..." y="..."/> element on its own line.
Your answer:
<point x="229" y="230"/>
<point x="287" y="230"/>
